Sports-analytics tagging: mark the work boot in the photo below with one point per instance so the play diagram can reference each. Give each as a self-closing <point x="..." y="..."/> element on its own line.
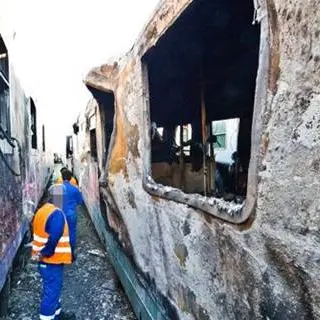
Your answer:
<point x="66" y="316"/>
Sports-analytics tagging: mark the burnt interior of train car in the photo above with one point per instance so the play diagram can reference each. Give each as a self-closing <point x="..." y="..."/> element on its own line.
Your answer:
<point x="105" y="102"/>
<point x="201" y="77"/>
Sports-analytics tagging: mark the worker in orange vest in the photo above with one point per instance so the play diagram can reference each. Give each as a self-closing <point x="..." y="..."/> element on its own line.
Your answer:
<point x="52" y="249"/>
<point x="73" y="180"/>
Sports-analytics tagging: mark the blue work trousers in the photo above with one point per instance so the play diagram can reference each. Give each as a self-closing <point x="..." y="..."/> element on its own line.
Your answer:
<point x="72" y="223"/>
<point x="52" y="279"/>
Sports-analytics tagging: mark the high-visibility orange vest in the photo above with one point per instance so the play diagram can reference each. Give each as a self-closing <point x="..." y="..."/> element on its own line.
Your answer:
<point x="62" y="253"/>
<point x="73" y="181"/>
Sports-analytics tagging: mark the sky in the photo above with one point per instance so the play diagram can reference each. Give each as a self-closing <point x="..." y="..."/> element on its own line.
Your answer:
<point x="55" y="43"/>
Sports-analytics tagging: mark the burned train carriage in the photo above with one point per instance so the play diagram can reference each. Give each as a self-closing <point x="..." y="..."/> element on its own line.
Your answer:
<point x="25" y="167"/>
<point x="198" y="157"/>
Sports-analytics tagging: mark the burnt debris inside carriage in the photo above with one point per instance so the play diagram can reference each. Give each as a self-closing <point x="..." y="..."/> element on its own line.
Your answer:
<point x="201" y="78"/>
<point x="105" y="102"/>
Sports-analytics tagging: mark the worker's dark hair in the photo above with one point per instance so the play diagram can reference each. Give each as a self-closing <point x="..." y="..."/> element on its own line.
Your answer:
<point x="63" y="169"/>
<point x="66" y="175"/>
<point x="46" y="198"/>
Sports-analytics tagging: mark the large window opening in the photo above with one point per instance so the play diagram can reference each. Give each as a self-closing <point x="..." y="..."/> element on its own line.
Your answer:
<point x="105" y="102"/>
<point x="33" y="112"/>
<point x="4" y="89"/>
<point x="201" y="77"/>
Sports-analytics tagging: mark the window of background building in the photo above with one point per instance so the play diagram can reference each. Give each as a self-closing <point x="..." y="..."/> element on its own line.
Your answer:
<point x="220" y="131"/>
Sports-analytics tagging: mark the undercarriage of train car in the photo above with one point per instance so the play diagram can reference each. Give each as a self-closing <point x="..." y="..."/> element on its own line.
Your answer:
<point x="201" y="83"/>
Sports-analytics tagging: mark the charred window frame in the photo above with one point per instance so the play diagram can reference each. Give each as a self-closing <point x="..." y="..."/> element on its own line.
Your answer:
<point x="232" y="212"/>
<point x="107" y="111"/>
<point x="69" y="147"/>
<point x="4" y="89"/>
<point x="33" y="127"/>
<point x="43" y="139"/>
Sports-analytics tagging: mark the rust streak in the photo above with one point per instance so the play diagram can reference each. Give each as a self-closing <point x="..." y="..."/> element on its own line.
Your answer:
<point x="119" y="151"/>
<point x="126" y="135"/>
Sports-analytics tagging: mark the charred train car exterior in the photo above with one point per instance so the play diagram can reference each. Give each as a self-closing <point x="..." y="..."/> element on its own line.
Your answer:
<point x="25" y="165"/>
<point x="181" y="251"/>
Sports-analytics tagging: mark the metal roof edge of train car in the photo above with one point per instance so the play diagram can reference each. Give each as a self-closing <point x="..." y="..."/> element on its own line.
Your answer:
<point x="166" y="12"/>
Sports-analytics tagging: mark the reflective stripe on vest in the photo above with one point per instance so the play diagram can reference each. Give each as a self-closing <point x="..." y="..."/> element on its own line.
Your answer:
<point x="73" y="181"/>
<point x="57" y="249"/>
<point x="43" y="317"/>
<point x="62" y="253"/>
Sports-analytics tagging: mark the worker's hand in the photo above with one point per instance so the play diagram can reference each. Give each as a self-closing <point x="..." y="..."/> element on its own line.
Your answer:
<point x="37" y="257"/>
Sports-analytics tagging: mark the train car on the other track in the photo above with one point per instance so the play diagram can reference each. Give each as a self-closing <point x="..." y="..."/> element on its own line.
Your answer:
<point x="25" y="165"/>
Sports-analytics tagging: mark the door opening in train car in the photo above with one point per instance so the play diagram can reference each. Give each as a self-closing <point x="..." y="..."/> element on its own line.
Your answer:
<point x="105" y="101"/>
<point x="201" y="84"/>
